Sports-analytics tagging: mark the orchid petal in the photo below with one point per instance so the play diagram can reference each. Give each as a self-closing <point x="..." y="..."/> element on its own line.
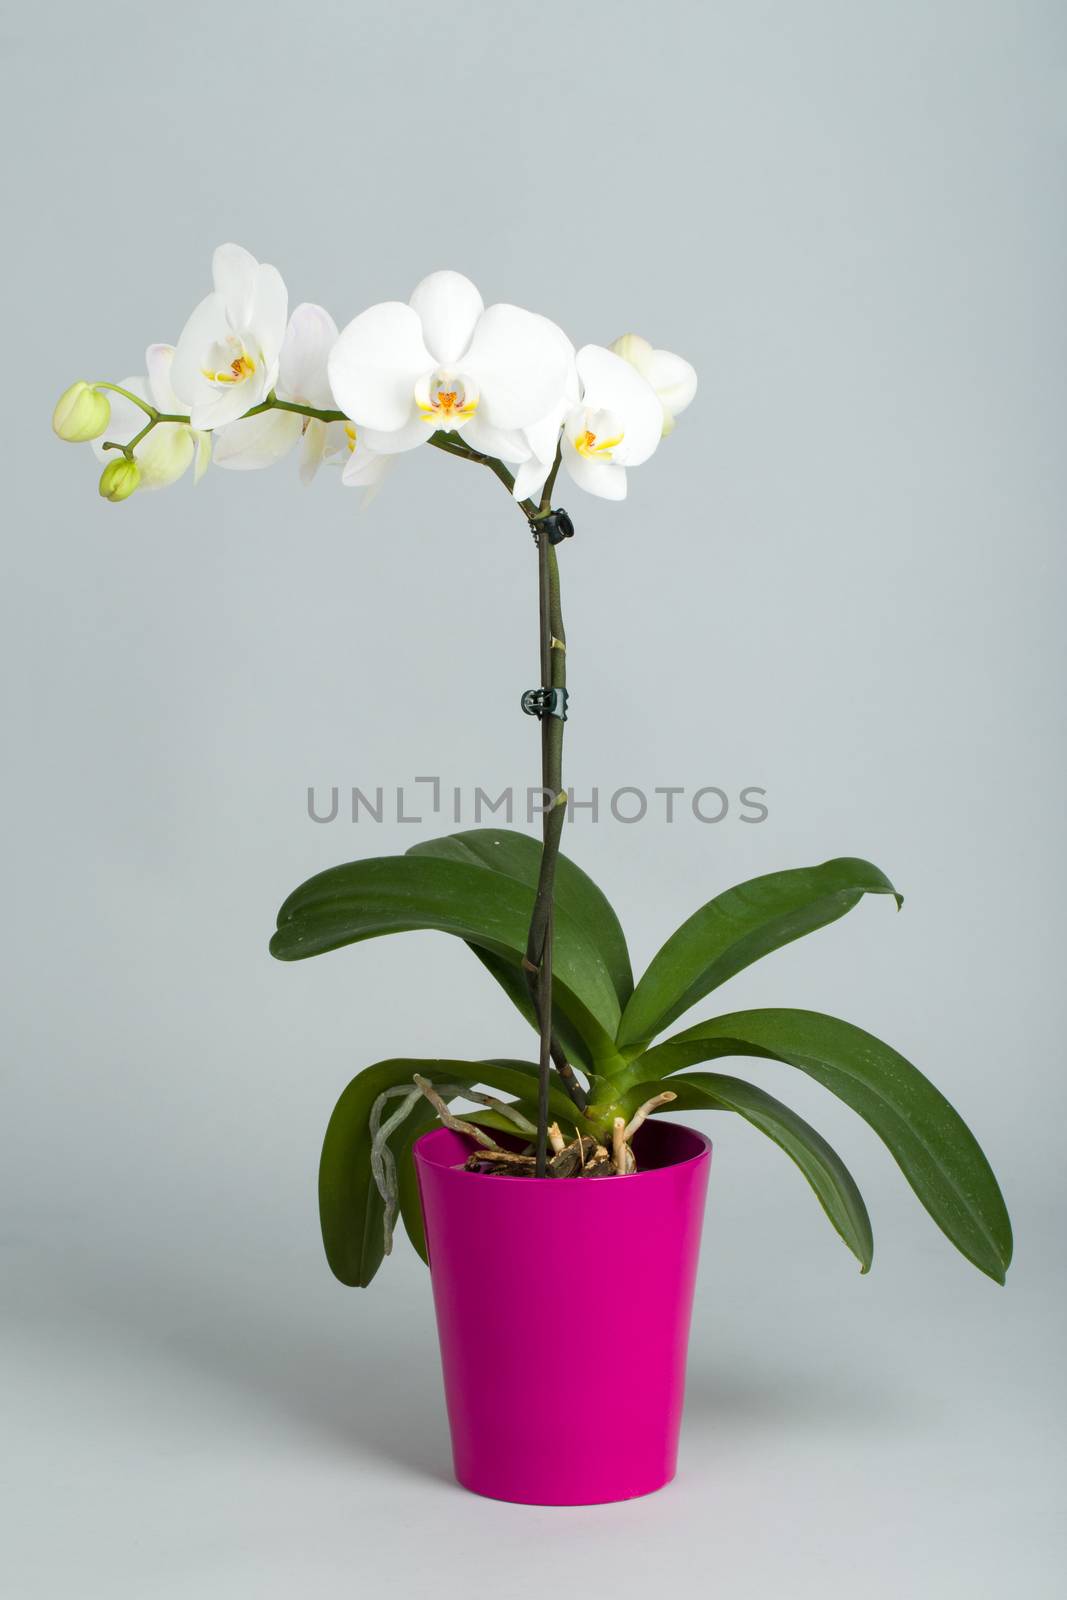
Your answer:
<point x="520" y="362"/>
<point x="363" y="468"/>
<point x="509" y="444"/>
<point x="673" y="379"/>
<point x="448" y="305"/>
<point x="603" y="478"/>
<point x="234" y="272"/>
<point x="611" y="384"/>
<point x="206" y="325"/>
<point x="269" y="312"/>
<point x="256" y="442"/>
<point x="394" y="442"/>
<point x="203" y="456"/>
<point x="223" y="406"/>
<point x="530" y="479"/>
<point x="314" y="448"/>
<point x="309" y="338"/>
<point x="158" y="361"/>
<point x="543" y="436"/>
<point x="375" y="363"/>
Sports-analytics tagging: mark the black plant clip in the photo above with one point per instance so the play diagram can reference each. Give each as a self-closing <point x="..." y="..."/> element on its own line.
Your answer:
<point x="557" y="524"/>
<point x="545" y="703"/>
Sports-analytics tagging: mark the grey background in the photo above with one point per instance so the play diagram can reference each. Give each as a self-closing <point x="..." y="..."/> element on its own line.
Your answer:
<point x="839" y="580"/>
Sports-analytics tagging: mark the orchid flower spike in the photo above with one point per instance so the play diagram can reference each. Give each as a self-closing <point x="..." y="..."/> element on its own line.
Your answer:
<point x="260" y="441"/>
<point x="165" y="453"/>
<point x="227" y="358"/>
<point x="443" y="361"/>
<point x="673" y="379"/>
<point x="611" y="420"/>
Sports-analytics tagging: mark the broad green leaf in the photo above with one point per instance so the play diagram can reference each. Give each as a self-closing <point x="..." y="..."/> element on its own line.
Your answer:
<point x="510" y="977"/>
<point x="518" y="856"/>
<point x="350" y="1207"/>
<point x="932" y="1145"/>
<point x="407" y="1183"/>
<point x="831" y="1180"/>
<point x="737" y="928"/>
<point x="415" y="1124"/>
<point x="396" y="894"/>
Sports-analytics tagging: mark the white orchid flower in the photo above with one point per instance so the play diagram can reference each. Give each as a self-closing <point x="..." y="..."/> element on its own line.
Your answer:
<point x="253" y="442"/>
<point x="401" y="372"/>
<point x="673" y="379"/>
<point x="226" y="360"/>
<point x="165" y="453"/>
<point x="612" y="422"/>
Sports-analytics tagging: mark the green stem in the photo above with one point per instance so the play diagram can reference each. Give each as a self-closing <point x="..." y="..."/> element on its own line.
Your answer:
<point x="272" y="403"/>
<point x="537" y="964"/>
<point x="553" y="676"/>
<point x="143" y="405"/>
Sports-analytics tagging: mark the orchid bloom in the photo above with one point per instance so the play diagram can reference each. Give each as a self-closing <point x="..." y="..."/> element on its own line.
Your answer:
<point x="502" y="384"/>
<point x="673" y="379"/>
<point x="610" y="420"/>
<point x="167" y="451"/>
<point x="443" y="361"/>
<point x="227" y="358"/>
<point x="260" y="441"/>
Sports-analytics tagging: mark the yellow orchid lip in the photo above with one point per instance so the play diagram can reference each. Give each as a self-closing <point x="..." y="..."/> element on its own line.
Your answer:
<point x="447" y="403"/>
<point x="240" y="368"/>
<point x="446" y="398"/>
<point x="587" y="444"/>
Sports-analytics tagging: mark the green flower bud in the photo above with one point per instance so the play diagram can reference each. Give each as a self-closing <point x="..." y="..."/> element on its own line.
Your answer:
<point x="82" y="413"/>
<point x="119" y="479"/>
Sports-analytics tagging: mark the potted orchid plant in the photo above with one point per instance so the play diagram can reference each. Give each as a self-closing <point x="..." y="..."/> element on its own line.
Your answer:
<point x="563" y="1162"/>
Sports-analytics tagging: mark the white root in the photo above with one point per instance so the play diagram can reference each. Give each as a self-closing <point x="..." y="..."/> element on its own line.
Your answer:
<point x="506" y="1109"/>
<point x="643" y="1111"/>
<point x="457" y="1124"/>
<point x="382" y="1160"/>
<point x="622" y="1157"/>
<point x="555" y="1138"/>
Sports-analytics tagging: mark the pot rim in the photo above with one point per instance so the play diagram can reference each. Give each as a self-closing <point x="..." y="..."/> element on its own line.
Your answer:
<point x="704" y="1153"/>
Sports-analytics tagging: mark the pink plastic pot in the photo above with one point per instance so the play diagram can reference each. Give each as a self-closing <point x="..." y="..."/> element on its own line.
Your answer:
<point x="563" y="1313"/>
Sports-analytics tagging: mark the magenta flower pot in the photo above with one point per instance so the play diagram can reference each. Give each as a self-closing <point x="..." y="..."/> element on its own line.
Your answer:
<point x="563" y="1311"/>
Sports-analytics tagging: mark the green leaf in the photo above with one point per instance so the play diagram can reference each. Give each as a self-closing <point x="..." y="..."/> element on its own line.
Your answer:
<point x="932" y="1145"/>
<point x="510" y="977"/>
<point x="419" y="1120"/>
<point x="350" y="1208"/>
<point x="397" y="894"/>
<point x="834" y="1185"/>
<point x="518" y="856"/>
<point x="737" y="928"/>
<point x="407" y="1184"/>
